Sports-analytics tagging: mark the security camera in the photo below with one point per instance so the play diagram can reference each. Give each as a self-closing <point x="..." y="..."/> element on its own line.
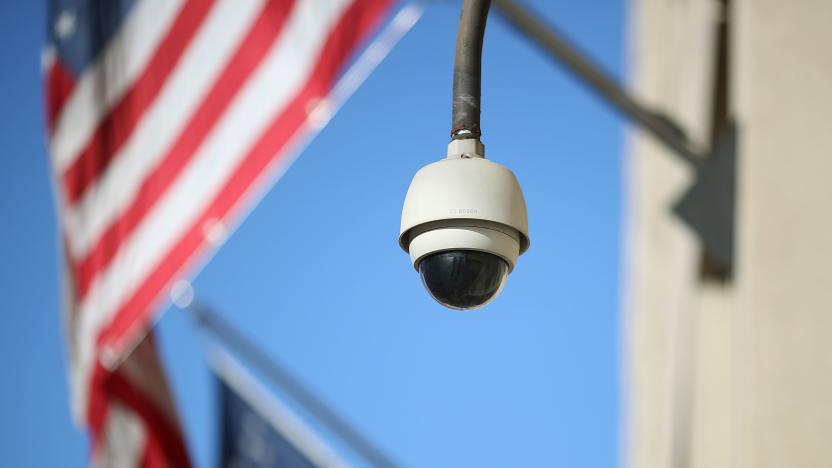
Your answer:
<point x="464" y="224"/>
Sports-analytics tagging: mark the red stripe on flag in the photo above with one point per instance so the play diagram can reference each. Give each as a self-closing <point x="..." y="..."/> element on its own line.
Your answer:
<point x="97" y="407"/>
<point x="59" y="85"/>
<point x="164" y="443"/>
<point x="120" y="121"/>
<point x="154" y="455"/>
<point x="250" y="53"/>
<point x="137" y="311"/>
<point x="163" y="440"/>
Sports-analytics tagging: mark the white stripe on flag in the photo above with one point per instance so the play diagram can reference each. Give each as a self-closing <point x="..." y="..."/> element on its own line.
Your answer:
<point x="47" y="58"/>
<point x="282" y="74"/>
<point x="124" y="58"/>
<point x="123" y="441"/>
<point x="225" y="27"/>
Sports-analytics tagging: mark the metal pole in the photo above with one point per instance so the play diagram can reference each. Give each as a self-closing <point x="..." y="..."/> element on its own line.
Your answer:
<point x="271" y="369"/>
<point x="559" y="48"/>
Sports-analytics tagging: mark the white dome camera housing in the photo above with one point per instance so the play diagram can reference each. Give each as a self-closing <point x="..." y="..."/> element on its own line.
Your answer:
<point x="464" y="224"/>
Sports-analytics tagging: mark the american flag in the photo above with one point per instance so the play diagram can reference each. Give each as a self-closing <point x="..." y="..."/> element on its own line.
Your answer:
<point x="166" y="120"/>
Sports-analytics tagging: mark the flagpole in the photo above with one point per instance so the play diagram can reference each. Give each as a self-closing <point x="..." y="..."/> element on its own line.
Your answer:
<point x="561" y="49"/>
<point x="234" y="340"/>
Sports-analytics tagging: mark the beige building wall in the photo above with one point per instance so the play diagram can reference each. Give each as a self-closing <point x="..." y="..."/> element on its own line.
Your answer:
<point x="735" y="373"/>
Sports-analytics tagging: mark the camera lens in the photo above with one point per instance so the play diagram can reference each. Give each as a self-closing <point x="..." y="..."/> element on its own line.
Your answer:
<point x="463" y="279"/>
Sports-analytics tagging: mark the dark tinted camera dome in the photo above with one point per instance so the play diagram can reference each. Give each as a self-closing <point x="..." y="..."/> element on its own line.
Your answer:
<point x="463" y="279"/>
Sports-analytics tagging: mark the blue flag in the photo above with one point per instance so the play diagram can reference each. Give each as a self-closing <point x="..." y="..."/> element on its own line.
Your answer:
<point x="258" y="431"/>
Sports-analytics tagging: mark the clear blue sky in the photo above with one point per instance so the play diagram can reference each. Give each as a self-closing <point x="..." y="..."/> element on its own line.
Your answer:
<point x="316" y="277"/>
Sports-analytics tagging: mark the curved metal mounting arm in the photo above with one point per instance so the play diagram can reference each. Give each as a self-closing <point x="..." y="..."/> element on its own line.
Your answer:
<point x="465" y="115"/>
